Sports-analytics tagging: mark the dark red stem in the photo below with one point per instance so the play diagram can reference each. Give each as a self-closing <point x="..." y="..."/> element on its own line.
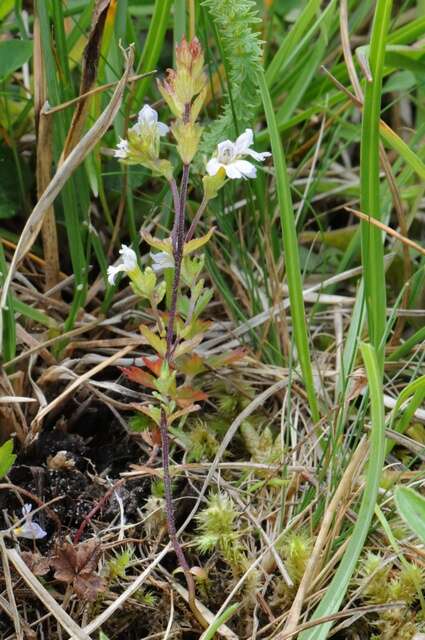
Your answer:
<point x="95" y="509"/>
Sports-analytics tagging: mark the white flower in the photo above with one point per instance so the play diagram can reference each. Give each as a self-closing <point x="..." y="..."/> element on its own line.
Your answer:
<point x="229" y="156"/>
<point x="122" y="149"/>
<point x="148" y="118"/>
<point x="29" y="529"/>
<point x="161" y="261"/>
<point x="128" y="263"/>
<point x="147" y="127"/>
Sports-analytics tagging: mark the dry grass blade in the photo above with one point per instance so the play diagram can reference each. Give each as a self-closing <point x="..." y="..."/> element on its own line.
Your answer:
<point x="313" y="563"/>
<point x="392" y="232"/>
<point x="9" y="589"/>
<point x="132" y="588"/>
<point x="223" y="631"/>
<point x="44" y="163"/>
<point x="88" y="76"/>
<point x="44" y="596"/>
<point x="36" y="423"/>
<point x="68" y="167"/>
<point x="95" y="91"/>
<point x="340" y="616"/>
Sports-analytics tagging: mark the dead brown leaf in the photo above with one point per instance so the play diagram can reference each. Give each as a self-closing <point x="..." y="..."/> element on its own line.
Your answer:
<point x="37" y="563"/>
<point x="76" y="565"/>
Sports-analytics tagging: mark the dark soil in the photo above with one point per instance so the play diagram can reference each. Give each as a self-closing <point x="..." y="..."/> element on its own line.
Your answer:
<point x="97" y="450"/>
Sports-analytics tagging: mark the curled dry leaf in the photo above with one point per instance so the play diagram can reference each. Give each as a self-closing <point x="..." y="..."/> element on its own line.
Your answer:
<point x="76" y="566"/>
<point x="38" y="564"/>
<point x="61" y="460"/>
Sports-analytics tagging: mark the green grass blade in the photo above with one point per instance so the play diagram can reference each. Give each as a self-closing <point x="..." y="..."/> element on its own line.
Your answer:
<point x="9" y="324"/>
<point x="179" y="21"/>
<point x="372" y="237"/>
<point x="290" y="244"/>
<point x="288" y="48"/>
<point x="153" y="44"/>
<point x="411" y="507"/>
<point x="210" y="633"/>
<point x="335" y="592"/>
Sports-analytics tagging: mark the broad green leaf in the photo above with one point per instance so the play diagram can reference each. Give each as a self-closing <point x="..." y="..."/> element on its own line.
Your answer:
<point x="13" y="54"/>
<point x="411" y="507"/>
<point x="7" y="457"/>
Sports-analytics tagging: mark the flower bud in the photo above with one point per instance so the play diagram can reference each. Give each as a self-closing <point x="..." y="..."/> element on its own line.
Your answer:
<point x="167" y="89"/>
<point x="187" y="136"/>
<point x="190" y="56"/>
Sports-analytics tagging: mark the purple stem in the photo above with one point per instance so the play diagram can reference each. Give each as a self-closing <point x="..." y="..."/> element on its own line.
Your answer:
<point x="176" y="200"/>
<point x="169" y="506"/>
<point x="178" y="257"/>
<point x="178" y="240"/>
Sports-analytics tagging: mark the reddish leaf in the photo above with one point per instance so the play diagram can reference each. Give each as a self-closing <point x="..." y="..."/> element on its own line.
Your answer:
<point x="187" y="395"/>
<point x="156" y="437"/>
<point x="230" y="357"/>
<point x="135" y="374"/>
<point x="154" y="364"/>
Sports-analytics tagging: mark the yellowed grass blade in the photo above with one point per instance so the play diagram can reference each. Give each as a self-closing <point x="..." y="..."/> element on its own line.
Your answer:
<point x="75" y="158"/>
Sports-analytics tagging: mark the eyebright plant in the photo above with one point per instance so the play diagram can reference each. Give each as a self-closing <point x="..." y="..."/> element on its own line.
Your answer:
<point x="172" y="285"/>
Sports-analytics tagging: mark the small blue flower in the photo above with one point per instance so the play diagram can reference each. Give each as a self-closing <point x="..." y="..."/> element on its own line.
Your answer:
<point x="29" y="529"/>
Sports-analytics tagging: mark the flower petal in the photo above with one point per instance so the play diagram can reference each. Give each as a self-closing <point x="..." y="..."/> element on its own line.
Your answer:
<point x="147" y="115"/>
<point x="161" y="261"/>
<point x="113" y="271"/>
<point x="129" y="258"/>
<point x="245" y="168"/>
<point x="30" y="530"/>
<point x="258" y="155"/>
<point x="122" y="149"/>
<point x="162" y="129"/>
<point x="232" y="171"/>
<point x="213" y="166"/>
<point x="226" y="151"/>
<point x="244" y="141"/>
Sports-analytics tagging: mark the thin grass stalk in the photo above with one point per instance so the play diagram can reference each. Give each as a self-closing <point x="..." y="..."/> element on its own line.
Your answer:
<point x="290" y="244"/>
<point x="44" y="163"/>
<point x="372" y="238"/>
<point x="336" y="590"/>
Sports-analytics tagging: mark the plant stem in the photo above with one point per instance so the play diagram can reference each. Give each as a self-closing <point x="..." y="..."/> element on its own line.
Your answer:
<point x="169" y="506"/>
<point x="178" y="257"/>
<point x="176" y="200"/>
<point x="178" y="240"/>
<point x="196" y="219"/>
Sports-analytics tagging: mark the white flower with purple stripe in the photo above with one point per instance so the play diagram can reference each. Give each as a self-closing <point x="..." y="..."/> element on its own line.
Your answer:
<point x="230" y="157"/>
